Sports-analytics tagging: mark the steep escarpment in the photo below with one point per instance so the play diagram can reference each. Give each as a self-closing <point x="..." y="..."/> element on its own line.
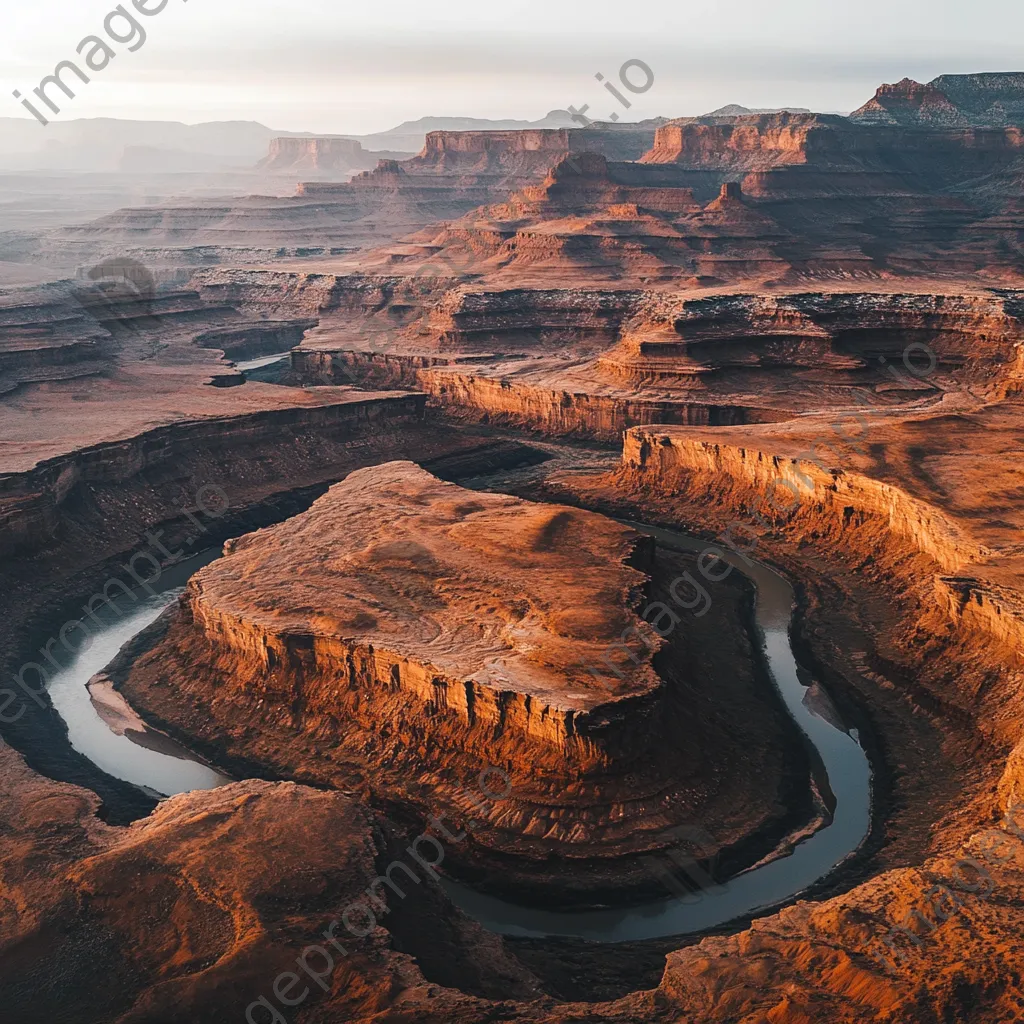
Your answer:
<point x="406" y="630"/>
<point x="532" y="151"/>
<point x="594" y="361"/>
<point x="31" y="502"/>
<point x="538" y="403"/>
<point x="938" y="939"/>
<point x="745" y="143"/>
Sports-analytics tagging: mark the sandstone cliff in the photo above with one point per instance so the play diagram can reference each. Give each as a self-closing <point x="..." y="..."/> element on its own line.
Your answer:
<point x="406" y="630"/>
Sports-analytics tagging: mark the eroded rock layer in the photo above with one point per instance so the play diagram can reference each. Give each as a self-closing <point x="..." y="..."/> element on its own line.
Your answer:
<point x="405" y="635"/>
<point x="597" y="361"/>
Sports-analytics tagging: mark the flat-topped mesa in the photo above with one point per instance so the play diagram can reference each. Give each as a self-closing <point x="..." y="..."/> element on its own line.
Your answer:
<point x="404" y="635"/>
<point x="749" y="143"/>
<point x="587" y="183"/>
<point x="442" y="143"/>
<point x="455" y="148"/>
<point x="434" y="601"/>
<point x="317" y="154"/>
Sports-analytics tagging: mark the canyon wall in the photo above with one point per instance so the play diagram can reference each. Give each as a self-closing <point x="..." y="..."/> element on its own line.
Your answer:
<point x="951" y="586"/>
<point x="798" y="487"/>
<point x="404" y="630"/>
<point x="31" y="503"/>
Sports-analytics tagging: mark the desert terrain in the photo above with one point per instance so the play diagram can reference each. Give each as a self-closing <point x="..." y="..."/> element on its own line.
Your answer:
<point x="564" y="574"/>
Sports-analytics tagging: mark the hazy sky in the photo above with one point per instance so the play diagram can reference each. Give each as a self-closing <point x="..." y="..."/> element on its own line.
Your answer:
<point x="330" y="66"/>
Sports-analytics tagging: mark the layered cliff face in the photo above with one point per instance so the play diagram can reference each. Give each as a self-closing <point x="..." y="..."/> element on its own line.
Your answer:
<point x="535" y="149"/>
<point x="484" y="644"/>
<point x="46" y="335"/>
<point x="745" y="143"/>
<point x="406" y="630"/>
<point x="594" y="361"/>
<point x="749" y="199"/>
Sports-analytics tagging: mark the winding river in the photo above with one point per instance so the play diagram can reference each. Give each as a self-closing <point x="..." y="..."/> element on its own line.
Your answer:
<point x="100" y="723"/>
<point x="849" y="778"/>
<point x="105" y="729"/>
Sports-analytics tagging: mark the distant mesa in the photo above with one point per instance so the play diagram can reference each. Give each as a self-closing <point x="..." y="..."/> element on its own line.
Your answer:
<point x="411" y="136"/>
<point x="735" y="110"/>
<point x="993" y="100"/>
<point x="332" y="155"/>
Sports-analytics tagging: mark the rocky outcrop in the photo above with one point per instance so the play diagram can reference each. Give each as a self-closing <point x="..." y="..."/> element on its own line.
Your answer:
<point x="30" y="503"/>
<point x="992" y="100"/>
<point x="190" y="912"/>
<point x="405" y="629"/>
<point x="911" y="103"/>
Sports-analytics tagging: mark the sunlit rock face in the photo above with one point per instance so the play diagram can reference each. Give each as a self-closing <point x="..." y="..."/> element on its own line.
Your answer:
<point x="406" y="634"/>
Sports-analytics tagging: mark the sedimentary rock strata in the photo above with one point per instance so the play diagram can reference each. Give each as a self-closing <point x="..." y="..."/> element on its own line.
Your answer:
<point x="594" y="361"/>
<point x="810" y="330"/>
<point x="406" y="629"/>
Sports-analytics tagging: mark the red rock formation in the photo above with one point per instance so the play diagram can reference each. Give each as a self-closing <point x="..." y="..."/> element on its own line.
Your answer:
<point x="746" y="143"/>
<point x="584" y="360"/>
<point x="189" y="914"/>
<point x="406" y="629"/>
<point x="909" y="102"/>
<point x="991" y="100"/>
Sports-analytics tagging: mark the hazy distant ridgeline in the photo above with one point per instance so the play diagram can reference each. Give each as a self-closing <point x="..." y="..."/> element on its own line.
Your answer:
<point x="99" y="144"/>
